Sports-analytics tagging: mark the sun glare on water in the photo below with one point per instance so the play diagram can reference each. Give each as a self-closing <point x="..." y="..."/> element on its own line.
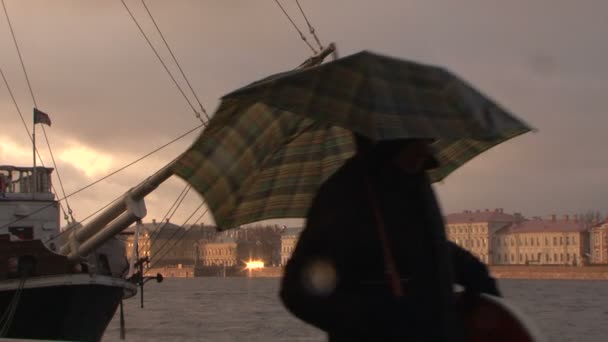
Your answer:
<point x="254" y="265"/>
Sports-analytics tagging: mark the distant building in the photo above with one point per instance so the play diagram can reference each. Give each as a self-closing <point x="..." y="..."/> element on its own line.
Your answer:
<point x="474" y="230"/>
<point x="238" y="246"/>
<point x="143" y="242"/>
<point x="221" y="252"/>
<point x="599" y="243"/>
<point x="259" y="243"/>
<point x="289" y="239"/>
<point x="542" y="242"/>
<point x="167" y="244"/>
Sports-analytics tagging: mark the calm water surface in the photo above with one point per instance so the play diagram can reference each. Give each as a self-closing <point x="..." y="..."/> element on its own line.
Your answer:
<point x="243" y="309"/>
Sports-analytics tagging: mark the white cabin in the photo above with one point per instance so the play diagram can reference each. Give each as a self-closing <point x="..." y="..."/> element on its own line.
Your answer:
<point x="26" y="214"/>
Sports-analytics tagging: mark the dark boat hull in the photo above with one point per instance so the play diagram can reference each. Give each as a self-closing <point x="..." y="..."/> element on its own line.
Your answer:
<point x="69" y="310"/>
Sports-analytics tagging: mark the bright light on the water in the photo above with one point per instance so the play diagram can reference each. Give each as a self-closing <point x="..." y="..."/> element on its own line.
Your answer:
<point x="255" y="264"/>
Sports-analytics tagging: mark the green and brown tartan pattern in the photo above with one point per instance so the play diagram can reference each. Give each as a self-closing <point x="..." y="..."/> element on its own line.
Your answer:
<point x="385" y="98"/>
<point x="264" y="164"/>
<point x="271" y="144"/>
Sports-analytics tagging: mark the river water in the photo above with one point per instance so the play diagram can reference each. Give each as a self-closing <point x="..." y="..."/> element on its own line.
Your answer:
<point x="248" y="309"/>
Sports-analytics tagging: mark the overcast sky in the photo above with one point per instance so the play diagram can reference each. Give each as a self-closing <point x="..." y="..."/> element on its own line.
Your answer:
<point x="110" y="100"/>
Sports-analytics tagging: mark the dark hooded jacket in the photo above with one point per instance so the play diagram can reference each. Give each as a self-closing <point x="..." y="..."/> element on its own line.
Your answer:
<point x="356" y="303"/>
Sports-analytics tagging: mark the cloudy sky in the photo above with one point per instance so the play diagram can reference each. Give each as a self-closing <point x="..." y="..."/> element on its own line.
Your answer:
<point x="111" y="101"/>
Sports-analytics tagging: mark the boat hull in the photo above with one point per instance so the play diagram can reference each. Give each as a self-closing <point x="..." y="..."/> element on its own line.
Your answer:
<point x="70" y="307"/>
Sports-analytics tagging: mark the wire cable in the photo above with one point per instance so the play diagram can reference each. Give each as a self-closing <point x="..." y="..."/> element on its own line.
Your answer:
<point x="175" y="60"/>
<point x="29" y="85"/>
<point x="185" y="232"/>
<point x="162" y="62"/>
<point x="296" y="27"/>
<point x="69" y="229"/>
<point x="67" y="204"/>
<point x="133" y="162"/>
<point x="103" y="178"/>
<point x="178" y="201"/>
<point x="310" y="28"/>
<point x="27" y="130"/>
<point x="19" y="53"/>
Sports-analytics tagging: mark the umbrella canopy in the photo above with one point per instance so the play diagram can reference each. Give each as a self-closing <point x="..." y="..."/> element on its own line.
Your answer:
<point x="271" y="144"/>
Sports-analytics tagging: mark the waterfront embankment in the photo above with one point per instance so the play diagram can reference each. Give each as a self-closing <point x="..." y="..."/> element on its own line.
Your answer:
<point x="500" y="272"/>
<point x="550" y="272"/>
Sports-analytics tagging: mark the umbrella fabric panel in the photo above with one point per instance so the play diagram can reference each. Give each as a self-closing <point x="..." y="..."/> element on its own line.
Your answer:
<point x="454" y="153"/>
<point x="266" y="163"/>
<point x="289" y="180"/>
<point x="385" y="98"/>
<point x="271" y="144"/>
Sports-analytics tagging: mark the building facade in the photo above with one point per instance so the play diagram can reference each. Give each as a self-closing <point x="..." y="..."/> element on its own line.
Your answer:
<point x="289" y="239"/>
<point x="475" y="230"/>
<point x="236" y="247"/>
<point x="222" y="252"/>
<point x="259" y="243"/>
<point x="542" y="242"/>
<point x="167" y="244"/>
<point x="599" y="243"/>
<point x="143" y="242"/>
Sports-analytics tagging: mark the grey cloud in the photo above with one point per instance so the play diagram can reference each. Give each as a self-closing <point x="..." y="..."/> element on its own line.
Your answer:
<point x="544" y="60"/>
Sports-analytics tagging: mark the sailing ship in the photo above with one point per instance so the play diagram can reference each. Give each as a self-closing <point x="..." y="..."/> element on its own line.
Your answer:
<point x="68" y="284"/>
<point x="42" y="291"/>
<point x="62" y="284"/>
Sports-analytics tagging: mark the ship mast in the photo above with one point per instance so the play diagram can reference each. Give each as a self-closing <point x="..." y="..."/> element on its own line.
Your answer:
<point x="131" y="207"/>
<point x="126" y="211"/>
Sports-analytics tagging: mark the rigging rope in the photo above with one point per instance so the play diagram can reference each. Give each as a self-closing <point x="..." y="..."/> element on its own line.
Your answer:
<point x="189" y="228"/>
<point x="176" y="61"/>
<point x="19" y="53"/>
<point x="103" y="178"/>
<point x="184" y="233"/>
<point x="296" y="27"/>
<point x="178" y="201"/>
<point x="9" y="314"/>
<point x="29" y="135"/>
<point x="69" y="229"/>
<point x="67" y="204"/>
<point x="29" y="85"/>
<point x="310" y="28"/>
<point x="163" y="63"/>
<point x="134" y="162"/>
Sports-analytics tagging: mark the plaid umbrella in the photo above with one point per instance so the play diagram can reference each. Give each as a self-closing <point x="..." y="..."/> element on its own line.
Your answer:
<point x="271" y="144"/>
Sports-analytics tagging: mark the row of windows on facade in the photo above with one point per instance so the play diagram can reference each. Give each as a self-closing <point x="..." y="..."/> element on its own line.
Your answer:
<point x="599" y="238"/>
<point x="563" y="257"/>
<point x="287" y="249"/>
<point x="468" y="229"/>
<point x="599" y="255"/>
<point x="219" y="251"/>
<point x="140" y="243"/>
<point x="171" y="253"/>
<point x="535" y="241"/>
<point x="163" y="249"/>
<point x="471" y="242"/>
<point x="482" y="257"/>
<point x="224" y="262"/>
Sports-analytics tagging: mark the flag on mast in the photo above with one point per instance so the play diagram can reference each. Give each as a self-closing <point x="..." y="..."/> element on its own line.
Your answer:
<point x="41" y="117"/>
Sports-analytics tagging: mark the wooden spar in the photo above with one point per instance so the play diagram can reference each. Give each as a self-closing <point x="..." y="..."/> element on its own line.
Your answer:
<point x="115" y="218"/>
<point x="318" y="58"/>
<point x="131" y="207"/>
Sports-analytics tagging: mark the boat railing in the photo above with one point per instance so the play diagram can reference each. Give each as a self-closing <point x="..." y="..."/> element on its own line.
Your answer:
<point x="20" y="180"/>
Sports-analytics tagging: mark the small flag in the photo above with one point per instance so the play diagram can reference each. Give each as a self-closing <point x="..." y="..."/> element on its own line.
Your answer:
<point x="41" y="117"/>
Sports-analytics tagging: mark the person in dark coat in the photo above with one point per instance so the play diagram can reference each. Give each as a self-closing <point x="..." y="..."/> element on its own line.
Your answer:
<point x="373" y="262"/>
